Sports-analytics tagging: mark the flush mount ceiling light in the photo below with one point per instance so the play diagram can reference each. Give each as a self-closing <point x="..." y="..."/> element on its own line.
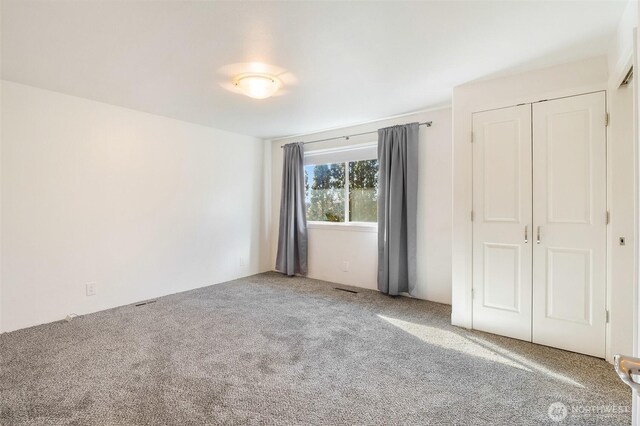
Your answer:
<point x="257" y="86"/>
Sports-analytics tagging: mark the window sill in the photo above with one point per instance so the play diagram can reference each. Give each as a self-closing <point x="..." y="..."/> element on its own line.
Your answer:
<point x="344" y="226"/>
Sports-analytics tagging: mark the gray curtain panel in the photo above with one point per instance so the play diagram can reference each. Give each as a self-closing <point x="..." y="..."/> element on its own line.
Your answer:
<point x="292" y="237"/>
<point x="397" y="208"/>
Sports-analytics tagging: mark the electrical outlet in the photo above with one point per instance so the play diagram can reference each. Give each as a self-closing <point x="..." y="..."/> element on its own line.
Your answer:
<point x="91" y="289"/>
<point x="345" y="266"/>
<point x="243" y="262"/>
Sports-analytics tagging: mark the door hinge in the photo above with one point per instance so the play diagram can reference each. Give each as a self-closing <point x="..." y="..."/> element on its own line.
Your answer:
<point x="606" y="119"/>
<point x="608" y="217"/>
<point x="471" y="137"/>
<point x="473" y="293"/>
<point x="471" y="215"/>
<point x="608" y="317"/>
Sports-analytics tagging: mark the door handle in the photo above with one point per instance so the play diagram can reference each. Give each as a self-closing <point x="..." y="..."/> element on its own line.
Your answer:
<point x="626" y="367"/>
<point x="538" y="236"/>
<point x="526" y="239"/>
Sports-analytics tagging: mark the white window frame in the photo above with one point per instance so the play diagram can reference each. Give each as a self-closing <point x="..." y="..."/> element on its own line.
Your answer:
<point x="342" y="151"/>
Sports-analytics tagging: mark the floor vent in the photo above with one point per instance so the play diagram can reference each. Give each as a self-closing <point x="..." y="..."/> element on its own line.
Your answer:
<point x="344" y="289"/>
<point x="145" y="303"/>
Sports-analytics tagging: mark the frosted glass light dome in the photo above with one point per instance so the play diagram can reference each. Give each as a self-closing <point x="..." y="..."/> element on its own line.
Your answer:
<point x="257" y="86"/>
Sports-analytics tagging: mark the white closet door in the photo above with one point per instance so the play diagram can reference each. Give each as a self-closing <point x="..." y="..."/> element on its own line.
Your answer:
<point x="502" y="234"/>
<point x="569" y="212"/>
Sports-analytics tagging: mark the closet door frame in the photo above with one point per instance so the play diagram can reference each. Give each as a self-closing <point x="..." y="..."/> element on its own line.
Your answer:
<point x="608" y="242"/>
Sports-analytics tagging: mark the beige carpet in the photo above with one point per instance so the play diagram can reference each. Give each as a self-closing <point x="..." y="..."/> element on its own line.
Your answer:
<point x="274" y="350"/>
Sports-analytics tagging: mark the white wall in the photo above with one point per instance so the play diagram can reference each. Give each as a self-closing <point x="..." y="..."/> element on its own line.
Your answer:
<point x="620" y="54"/>
<point x="1" y="325"/>
<point x="330" y="246"/>
<point x="636" y="275"/>
<point x="621" y="202"/>
<point x="622" y="194"/>
<point x="140" y="204"/>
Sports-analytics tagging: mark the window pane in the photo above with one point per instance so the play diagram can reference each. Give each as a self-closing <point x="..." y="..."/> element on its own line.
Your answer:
<point x="324" y="185"/>
<point x="363" y="191"/>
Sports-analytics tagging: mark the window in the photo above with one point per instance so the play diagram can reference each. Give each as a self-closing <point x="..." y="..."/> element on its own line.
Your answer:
<point x="363" y="191"/>
<point x="325" y="192"/>
<point x="342" y="185"/>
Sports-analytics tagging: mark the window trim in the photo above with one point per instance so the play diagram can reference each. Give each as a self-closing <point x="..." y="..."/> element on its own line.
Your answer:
<point x="346" y="225"/>
<point x="343" y="226"/>
<point x="339" y="150"/>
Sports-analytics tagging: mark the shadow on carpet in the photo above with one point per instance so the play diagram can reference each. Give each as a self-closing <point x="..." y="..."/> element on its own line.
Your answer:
<point x="269" y="349"/>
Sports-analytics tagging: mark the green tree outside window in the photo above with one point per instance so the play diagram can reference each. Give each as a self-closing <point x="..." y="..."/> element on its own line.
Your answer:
<point x="326" y="194"/>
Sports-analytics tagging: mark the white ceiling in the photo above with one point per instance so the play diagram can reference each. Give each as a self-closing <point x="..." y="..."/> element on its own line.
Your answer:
<point x="342" y="62"/>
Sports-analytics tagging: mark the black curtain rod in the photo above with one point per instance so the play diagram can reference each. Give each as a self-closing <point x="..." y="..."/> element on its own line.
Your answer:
<point x="426" y="123"/>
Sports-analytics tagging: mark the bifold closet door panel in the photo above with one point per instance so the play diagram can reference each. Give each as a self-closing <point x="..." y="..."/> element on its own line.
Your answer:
<point x="502" y="221"/>
<point x="569" y="218"/>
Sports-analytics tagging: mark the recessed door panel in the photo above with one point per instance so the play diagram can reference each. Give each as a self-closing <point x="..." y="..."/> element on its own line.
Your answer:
<point x="569" y="217"/>
<point x="502" y="277"/>
<point x="569" y="167"/>
<point x="502" y="221"/>
<point x="501" y="166"/>
<point x="569" y="279"/>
